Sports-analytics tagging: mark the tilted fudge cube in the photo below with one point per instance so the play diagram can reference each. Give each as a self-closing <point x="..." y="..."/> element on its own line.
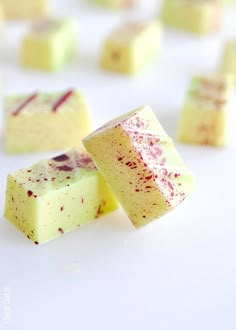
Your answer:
<point x="49" y="45"/>
<point x="131" y="47"/>
<point x="141" y="165"/>
<point x="45" y="121"/>
<point x="56" y="196"/>
<point x="24" y="9"/>
<point x="200" y="17"/>
<point x="228" y="64"/>
<point x="204" y="115"/>
<point x="114" y="4"/>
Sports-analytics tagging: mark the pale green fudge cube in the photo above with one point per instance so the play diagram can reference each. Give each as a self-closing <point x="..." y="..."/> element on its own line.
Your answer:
<point x="56" y="196"/>
<point x="131" y="47"/>
<point x="49" y="45"/>
<point x="45" y="121"/>
<point x="200" y="17"/>
<point x="228" y="64"/>
<point x="142" y="167"/>
<point x="114" y="4"/>
<point x="204" y="117"/>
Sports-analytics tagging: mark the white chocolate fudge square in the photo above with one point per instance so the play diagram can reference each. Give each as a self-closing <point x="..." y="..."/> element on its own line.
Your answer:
<point x="131" y="47"/>
<point x="49" y="44"/>
<point x="141" y="165"/>
<point x="204" y="117"/>
<point x="45" y="121"/>
<point x="199" y="17"/>
<point x="56" y="196"/>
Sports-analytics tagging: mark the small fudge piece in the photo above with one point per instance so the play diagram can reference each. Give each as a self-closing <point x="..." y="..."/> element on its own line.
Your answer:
<point x="203" y="119"/>
<point x="24" y="9"/>
<point x="1" y="15"/>
<point x="114" y="4"/>
<point x="56" y="196"/>
<point x="132" y="46"/>
<point x="2" y="19"/>
<point x="228" y="64"/>
<point x="44" y="121"/>
<point x="200" y="17"/>
<point x="49" y="45"/>
<point x="141" y="165"/>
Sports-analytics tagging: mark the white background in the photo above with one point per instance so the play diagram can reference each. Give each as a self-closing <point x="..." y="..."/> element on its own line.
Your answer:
<point x="178" y="273"/>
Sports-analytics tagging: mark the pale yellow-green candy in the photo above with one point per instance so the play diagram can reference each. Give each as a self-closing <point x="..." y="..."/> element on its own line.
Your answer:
<point x="200" y="17"/>
<point x="56" y="196"/>
<point x="114" y="4"/>
<point x="45" y="121"/>
<point x="204" y="117"/>
<point x="228" y="64"/>
<point x="49" y="45"/>
<point x="24" y="9"/>
<point x="1" y="15"/>
<point x="141" y="165"/>
<point x="131" y="47"/>
<point x="230" y="2"/>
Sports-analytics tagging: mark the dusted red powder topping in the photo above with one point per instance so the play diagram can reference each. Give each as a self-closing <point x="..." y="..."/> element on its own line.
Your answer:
<point x="84" y="161"/>
<point x="24" y="104"/>
<point x="99" y="211"/>
<point x="65" y="168"/>
<point x="29" y="193"/>
<point x="61" y="158"/>
<point x="62" y="100"/>
<point x="61" y="230"/>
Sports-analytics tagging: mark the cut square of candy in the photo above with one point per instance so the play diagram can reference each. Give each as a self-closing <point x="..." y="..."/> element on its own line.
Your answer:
<point x="141" y="165"/>
<point x="49" y="45"/>
<point x="45" y="121"/>
<point x="200" y="17"/>
<point x="131" y="47"/>
<point x="56" y="196"/>
<point x="204" y="117"/>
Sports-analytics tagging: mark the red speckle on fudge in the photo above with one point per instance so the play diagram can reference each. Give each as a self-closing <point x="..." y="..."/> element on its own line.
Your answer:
<point x="29" y="193"/>
<point x="150" y="151"/>
<point x="61" y="231"/>
<point x="61" y="158"/>
<point x="61" y="100"/>
<point x="30" y="99"/>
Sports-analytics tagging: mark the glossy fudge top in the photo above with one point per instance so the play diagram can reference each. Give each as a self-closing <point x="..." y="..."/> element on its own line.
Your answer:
<point x="128" y="31"/>
<point x="212" y="90"/>
<point x="39" y="102"/>
<point x="56" y="173"/>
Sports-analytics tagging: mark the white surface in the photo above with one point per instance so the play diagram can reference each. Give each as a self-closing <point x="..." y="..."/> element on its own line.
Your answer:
<point x="177" y="273"/>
